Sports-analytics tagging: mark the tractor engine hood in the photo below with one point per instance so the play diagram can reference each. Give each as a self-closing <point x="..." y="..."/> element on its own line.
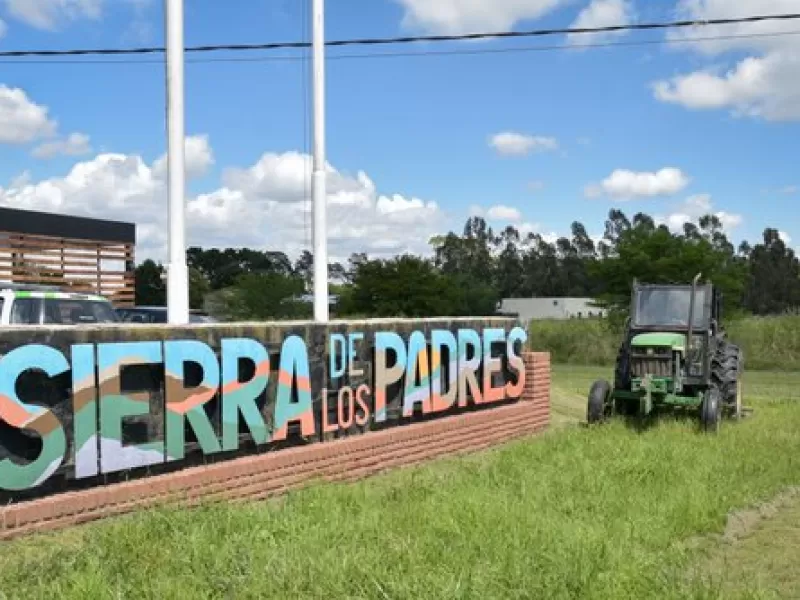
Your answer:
<point x="676" y="341"/>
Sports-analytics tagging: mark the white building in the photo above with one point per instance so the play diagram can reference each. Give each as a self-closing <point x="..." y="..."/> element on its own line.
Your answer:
<point x="527" y="309"/>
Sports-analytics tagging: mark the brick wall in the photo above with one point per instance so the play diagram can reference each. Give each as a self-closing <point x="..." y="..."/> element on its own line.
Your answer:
<point x="266" y="475"/>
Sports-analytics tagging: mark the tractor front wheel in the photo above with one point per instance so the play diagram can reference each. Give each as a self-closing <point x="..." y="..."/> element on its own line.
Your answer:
<point x="596" y="411"/>
<point x="711" y="410"/>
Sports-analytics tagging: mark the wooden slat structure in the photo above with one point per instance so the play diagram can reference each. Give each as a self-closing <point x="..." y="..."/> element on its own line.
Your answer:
<point x="83" y="254"/>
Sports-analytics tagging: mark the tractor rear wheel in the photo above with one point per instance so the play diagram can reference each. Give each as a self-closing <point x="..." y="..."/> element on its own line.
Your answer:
<point x="711" y="410"/>
<point x="726" y="371"/>
<point x="621" y="374"/>
<point x="596" y="411"/>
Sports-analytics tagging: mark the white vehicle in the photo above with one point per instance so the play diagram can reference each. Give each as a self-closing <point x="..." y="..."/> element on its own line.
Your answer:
<point x="43" y="305"/>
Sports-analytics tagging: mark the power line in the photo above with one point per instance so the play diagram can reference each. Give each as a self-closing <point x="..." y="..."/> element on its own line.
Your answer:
<point x="408" y="39"/>
<point x="425" y="53"/>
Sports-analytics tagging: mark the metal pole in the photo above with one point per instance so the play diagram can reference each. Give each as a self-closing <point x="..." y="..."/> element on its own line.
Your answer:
<point x="177" y="271"/>
<point x="319" y="194"/>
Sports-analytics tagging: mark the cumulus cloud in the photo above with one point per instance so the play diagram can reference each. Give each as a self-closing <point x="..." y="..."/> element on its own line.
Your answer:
<point x="452" y="17"/>
<point x="50" y="14"/>
<point x="198" y="157"/>
<point x="510" y="143"/>
<point x="75" y="144"/>
<point x="765" y="83"/>
<point x="601" y="13"/>
<point x="624" y="184"/>
<point x="785" y="237"/>
<point x="695" y="207"/>
<point x="21" y="119"/>
<point x="263" y="206"/>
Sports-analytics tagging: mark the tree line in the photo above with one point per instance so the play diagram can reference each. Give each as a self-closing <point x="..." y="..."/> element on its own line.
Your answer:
<point x="469" y="272"/>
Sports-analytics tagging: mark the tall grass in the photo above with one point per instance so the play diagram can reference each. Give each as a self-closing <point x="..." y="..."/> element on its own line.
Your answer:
<point x="596" y="513"/>
<point x="771" y="343"/>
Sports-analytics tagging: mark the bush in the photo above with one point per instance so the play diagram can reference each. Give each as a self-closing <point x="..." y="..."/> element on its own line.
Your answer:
<point x="770" y="343"/>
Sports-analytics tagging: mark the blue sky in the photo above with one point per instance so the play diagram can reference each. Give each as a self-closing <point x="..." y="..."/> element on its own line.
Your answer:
<point x="584" y="130"/>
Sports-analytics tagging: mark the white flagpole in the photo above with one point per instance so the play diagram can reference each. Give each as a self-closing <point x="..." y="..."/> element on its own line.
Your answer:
<point x="177" y="271"/>
<point x="319" y="194"/>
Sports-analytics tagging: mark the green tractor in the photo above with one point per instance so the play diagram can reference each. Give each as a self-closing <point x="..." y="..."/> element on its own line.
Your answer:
<point x="675" y="354"/>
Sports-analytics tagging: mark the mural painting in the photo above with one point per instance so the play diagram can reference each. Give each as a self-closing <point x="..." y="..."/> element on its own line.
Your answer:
<point x="90" y="409"/>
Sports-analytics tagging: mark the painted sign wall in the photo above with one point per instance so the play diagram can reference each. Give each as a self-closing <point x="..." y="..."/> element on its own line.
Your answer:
<point x="87" y="409"/>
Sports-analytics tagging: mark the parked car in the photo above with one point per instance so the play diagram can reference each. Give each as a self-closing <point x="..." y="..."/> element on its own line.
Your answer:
<point x="158" y="314"/>
<point x="22" y="304"/>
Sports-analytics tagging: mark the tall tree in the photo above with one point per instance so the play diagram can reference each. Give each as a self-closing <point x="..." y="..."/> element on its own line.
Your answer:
<point x="774" y="276"/>
<point x="150" y="287"/>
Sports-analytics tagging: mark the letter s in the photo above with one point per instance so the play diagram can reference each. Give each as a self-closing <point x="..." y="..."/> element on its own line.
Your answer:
<point x="38" y="419"/>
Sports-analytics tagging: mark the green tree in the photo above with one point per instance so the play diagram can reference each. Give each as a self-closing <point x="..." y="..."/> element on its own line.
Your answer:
<point x="773" y="276"/>
<point x="410" y="286"/>
<point x="258" y="296"/>
<point x="199" y="288"/>
<point x="150" y="287"/>
<point x="656" y="255"/>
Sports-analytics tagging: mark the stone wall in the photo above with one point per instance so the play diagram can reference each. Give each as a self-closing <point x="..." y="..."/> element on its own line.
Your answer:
<point x="82" y="407"/>
<point x="266" y="475"/>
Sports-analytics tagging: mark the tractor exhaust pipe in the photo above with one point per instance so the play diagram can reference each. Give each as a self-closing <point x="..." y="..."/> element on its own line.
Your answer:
<point x="691" y="312"/>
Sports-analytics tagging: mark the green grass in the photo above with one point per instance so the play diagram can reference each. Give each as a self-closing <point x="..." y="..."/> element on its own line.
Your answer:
<point x="606" y="512"/>
<point x="768" y="342"/>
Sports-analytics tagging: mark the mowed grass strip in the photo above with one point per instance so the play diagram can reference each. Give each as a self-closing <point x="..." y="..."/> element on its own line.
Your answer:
<point x="576" y="513"/>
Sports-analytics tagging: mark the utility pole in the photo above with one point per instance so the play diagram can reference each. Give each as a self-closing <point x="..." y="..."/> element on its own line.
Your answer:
<point x="177" y="271"/>
<point x="319" y="194"/>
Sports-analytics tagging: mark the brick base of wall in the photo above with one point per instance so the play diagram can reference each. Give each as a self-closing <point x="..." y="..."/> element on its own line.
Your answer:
<point x="266" y="475"/>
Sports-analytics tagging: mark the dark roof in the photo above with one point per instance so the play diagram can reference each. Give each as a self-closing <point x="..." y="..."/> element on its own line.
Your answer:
<point x="31" y="222"/>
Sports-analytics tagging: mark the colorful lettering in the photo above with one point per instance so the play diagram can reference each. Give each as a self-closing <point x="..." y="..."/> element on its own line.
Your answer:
<point x="189" y="404"/>
<point x="294" y="367"/>
<point x="240" y="397"/>
<point x="36" y="419"/>
<point x="115" y="406"/>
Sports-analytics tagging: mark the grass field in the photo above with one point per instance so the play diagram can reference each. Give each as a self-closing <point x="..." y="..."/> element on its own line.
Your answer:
<point x="768" y="342"/>
<point x="607" y="512"/>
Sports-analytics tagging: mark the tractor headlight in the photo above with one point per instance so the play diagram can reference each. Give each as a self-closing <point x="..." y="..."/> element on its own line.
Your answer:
<point x="694" y="356"/>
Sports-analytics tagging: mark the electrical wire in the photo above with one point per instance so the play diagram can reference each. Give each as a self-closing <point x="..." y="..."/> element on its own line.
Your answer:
<point x="408" y="39"/>
<point x="424" y="53"/>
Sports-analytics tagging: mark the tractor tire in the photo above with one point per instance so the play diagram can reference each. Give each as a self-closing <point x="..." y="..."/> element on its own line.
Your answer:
<point x="726" y="371"/>
<point x="622" y="369"/>
<point x="711" y="411"/>
<point x="598" y="396"/>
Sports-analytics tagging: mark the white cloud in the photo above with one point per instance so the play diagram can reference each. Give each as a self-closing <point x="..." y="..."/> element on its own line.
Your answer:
<point x="3" y="28"/>
<point x="501" y="212"/>
<point x="601" y="13"/>
<point x="21" y="119"/>
<point x="785" y="237"/>
<point x="452" y="17"/>
<point x="765" y="84"/>
<point x="624" y="184"/>
<point x="75" y="144"/>
<point x="692" y="209"/>
<point x="790" y="189"/>
<point x="198" y="157"/>
<point x="510" y="143"/>
<point x="264" y="206"/>
<point x="50" y="14"/>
